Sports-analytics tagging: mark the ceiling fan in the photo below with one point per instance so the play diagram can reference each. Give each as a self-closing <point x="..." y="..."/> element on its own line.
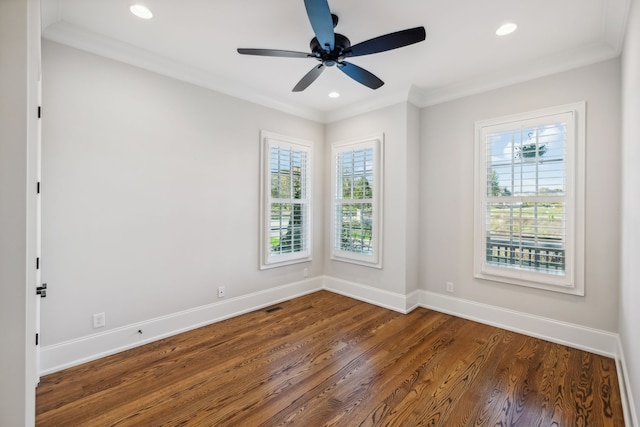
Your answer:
<point x="331" y="49"/>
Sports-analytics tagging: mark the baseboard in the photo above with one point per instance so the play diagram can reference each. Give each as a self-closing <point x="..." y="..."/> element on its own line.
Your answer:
<point x="413" y="300"/>
<point x="387" y="299"/>
<point x="64" y="355"/>
<point x="576" y="336"/>
<point x="628" y="406"/>
<point x="75" y="352"/>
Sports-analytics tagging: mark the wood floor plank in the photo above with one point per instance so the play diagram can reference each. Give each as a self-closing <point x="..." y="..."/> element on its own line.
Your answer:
<point x="408" y="358"/>
<point x="293" y="364"/>
<point x="328" y="360"/>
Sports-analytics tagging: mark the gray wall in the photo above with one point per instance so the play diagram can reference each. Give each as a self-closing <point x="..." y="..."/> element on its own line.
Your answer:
<point x="447" y="184"/>
<point x="152" y="195"/>
<point x="19" y="65"/>
<point x="412" y="227"/>
<point x="630" y="272"/>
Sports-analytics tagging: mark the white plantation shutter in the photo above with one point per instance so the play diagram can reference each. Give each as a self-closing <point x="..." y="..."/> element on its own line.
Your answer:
<point x="286" y="216"/>
<point x="354" y="200"/>
<point x="527" y="206"/>
<point x="526" y="210"/>
<point x="357" y="196"/>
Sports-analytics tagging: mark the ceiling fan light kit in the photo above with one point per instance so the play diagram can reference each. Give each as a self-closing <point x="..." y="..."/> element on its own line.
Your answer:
<point x="332" y="49"/>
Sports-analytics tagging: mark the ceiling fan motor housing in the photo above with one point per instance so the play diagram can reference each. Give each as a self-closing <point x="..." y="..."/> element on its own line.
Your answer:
<point x="342" y="46"/>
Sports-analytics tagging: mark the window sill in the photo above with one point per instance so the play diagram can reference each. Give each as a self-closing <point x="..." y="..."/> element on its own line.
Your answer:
<point x="357" y="260"/>
<point x="518" y="281"/>
<point x="267" y="266"/>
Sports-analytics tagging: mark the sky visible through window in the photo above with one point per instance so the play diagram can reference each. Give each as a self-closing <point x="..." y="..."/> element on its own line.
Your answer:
<point x="527" y="161"/>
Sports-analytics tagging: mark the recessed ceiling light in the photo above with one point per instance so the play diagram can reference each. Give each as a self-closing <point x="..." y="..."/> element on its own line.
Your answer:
<point x="141" y="11"/>
<point x="334" y="95"/>
<point x="507" y="28"/>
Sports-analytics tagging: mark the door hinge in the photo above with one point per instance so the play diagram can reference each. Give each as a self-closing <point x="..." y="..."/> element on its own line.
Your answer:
<point x="37" y="338"/>
<point x="38" y="263"/>
<point x="39" y="111"/>
<point x="38" y="187"/>
<point x="42" y="290"/>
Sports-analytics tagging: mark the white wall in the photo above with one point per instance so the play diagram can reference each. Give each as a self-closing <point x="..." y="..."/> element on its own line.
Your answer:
<point x="151" y="194"/>
<point x="399" y="125"/>
<point x="630" y="266"/>
<point x="447" y="167"/>
<point x="19" y="65"/>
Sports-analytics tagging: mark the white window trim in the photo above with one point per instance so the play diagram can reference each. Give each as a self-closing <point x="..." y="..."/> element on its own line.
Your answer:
<point x="573" y="281"/>
<point x="377" y="143"/>
<point x="267" y="260"/>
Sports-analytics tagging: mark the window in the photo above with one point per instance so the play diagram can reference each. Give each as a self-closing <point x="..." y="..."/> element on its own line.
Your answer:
<point x="357" y="199"/>
<point x="529" y="208"/>
<point x="286" y="214"/>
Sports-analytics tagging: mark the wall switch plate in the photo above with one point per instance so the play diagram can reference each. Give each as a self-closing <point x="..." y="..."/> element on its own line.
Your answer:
<point x="99" y="320"/>
<point x="449" y="286"/>
<point x="221" y="292"/>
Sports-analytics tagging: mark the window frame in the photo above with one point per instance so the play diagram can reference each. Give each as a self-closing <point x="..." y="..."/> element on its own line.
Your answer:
<point x="572" y="282"/>
<point x="267" y="259"/>
<point x="375" y="142"/>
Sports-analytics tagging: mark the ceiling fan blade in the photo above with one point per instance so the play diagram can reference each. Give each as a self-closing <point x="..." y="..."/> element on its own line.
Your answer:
<point x="321" y="21"/>
<point x="275" y="52"/>
<point x="389" y="41"/>
<point x="308" y="78"/>
<point x="360" y="75"/>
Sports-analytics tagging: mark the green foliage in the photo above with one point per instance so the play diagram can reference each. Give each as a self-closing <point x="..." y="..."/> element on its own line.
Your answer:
<point x="528" y="220"/>
<point x="356" y="227"/>
<point x="288" y="184"/>
<point x="495" y="184"/>
<point x="361" y="189"/>
<point x="293" y="238"/>
<point x="356" y="236"/>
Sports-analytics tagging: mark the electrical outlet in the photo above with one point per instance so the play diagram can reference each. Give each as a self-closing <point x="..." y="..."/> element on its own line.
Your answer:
<point x="449" y="286"/>
<point x="305" y="272"/>
<point x="99" y="320"/>
<point x="221" y="292"/>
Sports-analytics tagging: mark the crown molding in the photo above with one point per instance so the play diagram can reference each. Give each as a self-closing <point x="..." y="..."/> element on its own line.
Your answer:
<point x="615" y="23"/>
<point x="79" y="38"/>
<point x="372" y="103"/>
<point x="563" y="61"/>
<point x="49" y="13"/>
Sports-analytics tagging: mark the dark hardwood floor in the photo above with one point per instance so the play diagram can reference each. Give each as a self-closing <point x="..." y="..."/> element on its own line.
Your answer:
<point x="324" y="359"/>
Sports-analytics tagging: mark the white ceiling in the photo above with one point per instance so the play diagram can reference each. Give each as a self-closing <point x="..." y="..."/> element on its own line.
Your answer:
<point x="196" y="41"/>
